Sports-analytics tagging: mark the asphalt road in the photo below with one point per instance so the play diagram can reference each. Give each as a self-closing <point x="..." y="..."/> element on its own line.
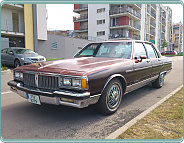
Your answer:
<point x="23" y="120"/>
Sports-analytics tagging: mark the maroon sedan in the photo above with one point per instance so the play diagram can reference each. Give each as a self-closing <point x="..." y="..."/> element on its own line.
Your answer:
<point x="169" y="53"/>
<point x="101" y="73"/>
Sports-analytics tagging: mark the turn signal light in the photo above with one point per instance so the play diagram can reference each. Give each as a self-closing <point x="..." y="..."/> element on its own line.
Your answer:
<point x="83" y="83"/>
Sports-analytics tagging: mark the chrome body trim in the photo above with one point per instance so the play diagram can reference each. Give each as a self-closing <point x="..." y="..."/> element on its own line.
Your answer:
<point x="110" y="78"/>
<point x="78" y="103"/>
<point x="140" y="84"/>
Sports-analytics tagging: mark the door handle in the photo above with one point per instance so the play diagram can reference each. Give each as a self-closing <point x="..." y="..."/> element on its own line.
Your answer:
<point x="148" y="61"/>
<point x="159" y="59"/>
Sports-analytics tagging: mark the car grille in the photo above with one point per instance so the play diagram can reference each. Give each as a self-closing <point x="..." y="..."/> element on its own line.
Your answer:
<point x="44" y="81"/>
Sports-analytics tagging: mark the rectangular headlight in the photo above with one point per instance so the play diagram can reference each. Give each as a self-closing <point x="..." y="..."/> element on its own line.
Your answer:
<point x="18" y="76"/>
<point x="76" y="82"/>
<point x="67" y="81"/>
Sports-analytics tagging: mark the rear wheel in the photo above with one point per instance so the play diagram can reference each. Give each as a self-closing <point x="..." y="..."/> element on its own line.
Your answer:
<point x="111" y="98"/>
<point x="17" y="63"/>
<point x="159" y="82"/>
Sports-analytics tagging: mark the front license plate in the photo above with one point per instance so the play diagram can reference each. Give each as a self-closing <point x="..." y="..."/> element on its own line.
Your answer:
<point x="33" y="99"/>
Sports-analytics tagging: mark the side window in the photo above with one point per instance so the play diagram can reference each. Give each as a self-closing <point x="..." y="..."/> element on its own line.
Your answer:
<point x="3" y="51"/>
<point x="9" y="50"/>
<point x="139" y="50"/>
<point x="151" y="52"/>
<point x="156" y="52"/>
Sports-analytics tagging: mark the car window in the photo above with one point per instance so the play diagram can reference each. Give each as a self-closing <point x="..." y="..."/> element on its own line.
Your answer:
<point x="9" y="50"/>
<point x="107" y="49"/>
<point x="156" y="52"/>
<point x="3" y="51"/>
<point x="150" y="51"/>
<point x="23" y="51"/>
<point x="139" y="50"/>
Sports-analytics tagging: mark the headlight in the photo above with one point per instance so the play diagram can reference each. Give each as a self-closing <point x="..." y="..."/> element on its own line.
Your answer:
<point x="67" y="81"/>
<point x="76" y="82"/>
<point x="73" y="82"/>
<point x="18" y="76"/>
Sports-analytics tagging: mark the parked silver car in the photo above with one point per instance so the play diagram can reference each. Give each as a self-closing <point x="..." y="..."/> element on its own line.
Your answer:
<point x="15" y="56"/>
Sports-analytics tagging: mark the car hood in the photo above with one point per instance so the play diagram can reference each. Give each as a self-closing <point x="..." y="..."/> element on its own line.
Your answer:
<point x="75" y="66"/>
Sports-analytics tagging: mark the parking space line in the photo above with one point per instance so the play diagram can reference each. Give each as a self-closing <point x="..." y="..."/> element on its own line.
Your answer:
<point x="6" y="92"/>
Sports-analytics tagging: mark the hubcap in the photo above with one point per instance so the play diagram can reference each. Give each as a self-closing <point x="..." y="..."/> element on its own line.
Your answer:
<point x="113" y="96"/>
<point x="161" y="79"/>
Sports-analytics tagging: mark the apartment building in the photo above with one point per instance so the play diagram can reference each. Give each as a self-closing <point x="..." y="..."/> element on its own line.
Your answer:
<point x="23" y="25"/>
<point x="150" y="22"/>
<point x="177" y="36"/>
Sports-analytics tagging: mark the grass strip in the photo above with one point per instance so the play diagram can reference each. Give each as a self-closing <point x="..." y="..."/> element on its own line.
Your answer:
<point x="54" y="59"/>
<point x="3" y="68"/>
<point x="164" y="122"/>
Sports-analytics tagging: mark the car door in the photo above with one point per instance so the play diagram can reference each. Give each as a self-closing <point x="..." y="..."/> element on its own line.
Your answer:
<point x="154" y="58"/>
<point x="3" y="56"/>
<point x="10" y="57"/>
<point x="142" y="69"/>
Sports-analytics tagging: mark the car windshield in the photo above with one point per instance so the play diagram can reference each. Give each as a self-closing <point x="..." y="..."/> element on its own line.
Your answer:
<point x="23" y="51"/>
<point x="107" y="49"/>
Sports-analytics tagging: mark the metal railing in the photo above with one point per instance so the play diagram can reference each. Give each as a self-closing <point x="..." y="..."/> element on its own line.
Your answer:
<point x="162" y="37"/>
<point x="163" y="22"/>
<point x="124" y="23"/>
<point x="80" y="17"/>
<point x="164" y="15"/>
<point x="83" y="6"/>
<point x="153" y="24"/>
<point x="125" y="10"/>
<point x="131" y="36"/>
<point x="12" y="26"/>
<point x="152" y="14"/>
<point x="152" y="33"/>
<point x="154" y="6"/>
<point x="83" y="27"/>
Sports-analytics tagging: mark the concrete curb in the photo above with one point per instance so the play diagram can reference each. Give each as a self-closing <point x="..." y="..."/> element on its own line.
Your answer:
<point x="9" y="71"/>
<point x="122" y="129"/>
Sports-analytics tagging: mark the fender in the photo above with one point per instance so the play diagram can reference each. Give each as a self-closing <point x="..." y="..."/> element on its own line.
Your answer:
<point x="112" y="77"/>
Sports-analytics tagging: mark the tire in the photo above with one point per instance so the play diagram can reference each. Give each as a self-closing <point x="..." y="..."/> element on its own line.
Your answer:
<point x="111" y="98"/>
<point x="17" y="63"/>
<point x="159" y="82"/>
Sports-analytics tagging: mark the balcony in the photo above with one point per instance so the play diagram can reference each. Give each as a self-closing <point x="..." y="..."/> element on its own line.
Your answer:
<point x="139" y="5"/>
<point x="83" y="28"/>
<point x="124" y="36"/>
<point x="82" y="17"/>
<point x="153" y="15"/>
<point x="81" y="7"/>
<point x="152" y="33"/>
<point x="154" y="6"/>
<point x="124" y="24"/>
<point x="162" y="37"/>
<point x="153" y="24"/>
<point x="164" y="15"/>
<point x="163" y="22"/>
<point x="124" y="11"/>
<point x="148" y="10"/>
<point x="12" y="27"/>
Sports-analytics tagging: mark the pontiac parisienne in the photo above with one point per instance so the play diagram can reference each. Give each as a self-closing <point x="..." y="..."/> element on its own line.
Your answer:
<point x="101" y="73"/>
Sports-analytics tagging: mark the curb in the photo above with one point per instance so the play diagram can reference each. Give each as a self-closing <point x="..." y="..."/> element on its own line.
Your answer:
<point x="9" y="71"/>
<point x="122" y="129"/>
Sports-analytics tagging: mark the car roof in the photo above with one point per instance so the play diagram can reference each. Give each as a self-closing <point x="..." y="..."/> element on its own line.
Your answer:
<point x="128" y="40"/>
<point x="17" y="48"/>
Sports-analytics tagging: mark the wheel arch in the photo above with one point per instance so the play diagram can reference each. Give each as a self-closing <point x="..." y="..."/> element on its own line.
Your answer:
<point x="120" y="77"/>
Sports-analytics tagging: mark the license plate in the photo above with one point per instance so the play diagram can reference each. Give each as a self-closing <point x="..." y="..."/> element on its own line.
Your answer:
<point x="33" y="99"/>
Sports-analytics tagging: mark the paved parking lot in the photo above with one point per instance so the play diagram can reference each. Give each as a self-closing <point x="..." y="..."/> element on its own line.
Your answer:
<point x="23" y="120"/>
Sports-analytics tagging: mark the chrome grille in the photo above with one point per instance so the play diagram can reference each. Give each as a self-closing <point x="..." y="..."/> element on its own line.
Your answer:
<point x="48" y="82"/>
<point x="29" y="79"/>
<point x="44" y="81"/>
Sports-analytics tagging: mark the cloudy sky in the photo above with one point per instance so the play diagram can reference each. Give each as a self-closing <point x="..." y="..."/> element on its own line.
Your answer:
<point x="60" y="16"/>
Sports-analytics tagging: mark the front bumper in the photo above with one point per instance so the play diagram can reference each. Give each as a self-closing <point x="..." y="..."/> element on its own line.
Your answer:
<point x="79" y="100"/>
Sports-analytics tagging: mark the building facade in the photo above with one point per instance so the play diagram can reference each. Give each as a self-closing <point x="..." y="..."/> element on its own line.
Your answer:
<point x="177" y="36"/>
<point x="150" y="22"/>
<point x="23" y="25"/>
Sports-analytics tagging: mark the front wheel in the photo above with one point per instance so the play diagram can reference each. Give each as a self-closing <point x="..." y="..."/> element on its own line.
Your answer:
<point x="17" y="63"/>
<point x="158" y="83"/>
<point x="111" y="97"/>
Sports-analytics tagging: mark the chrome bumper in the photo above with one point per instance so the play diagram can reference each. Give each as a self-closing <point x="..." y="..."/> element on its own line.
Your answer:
<point x="79" y="100"/>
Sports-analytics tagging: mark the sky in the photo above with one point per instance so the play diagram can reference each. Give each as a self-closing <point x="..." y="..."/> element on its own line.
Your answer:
<point x="60" y="16"/>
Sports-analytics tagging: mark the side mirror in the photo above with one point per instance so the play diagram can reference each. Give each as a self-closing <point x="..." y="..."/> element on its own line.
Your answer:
<point x="10" y="53"/>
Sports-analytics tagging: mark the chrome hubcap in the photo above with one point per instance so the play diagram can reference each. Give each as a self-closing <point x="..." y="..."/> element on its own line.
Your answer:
<point x="113" y="96"/>
<point x="161" y="79"/>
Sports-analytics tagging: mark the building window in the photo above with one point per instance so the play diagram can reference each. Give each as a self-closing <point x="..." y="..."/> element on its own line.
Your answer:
<point x="100" y="21"/>
<point x="100" y="10"/>
<point x="54" y="45"/>
<point x="100" y="33"/>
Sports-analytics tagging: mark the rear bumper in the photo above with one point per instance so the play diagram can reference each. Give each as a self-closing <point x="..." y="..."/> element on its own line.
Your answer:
<point x="79" y="100"/>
